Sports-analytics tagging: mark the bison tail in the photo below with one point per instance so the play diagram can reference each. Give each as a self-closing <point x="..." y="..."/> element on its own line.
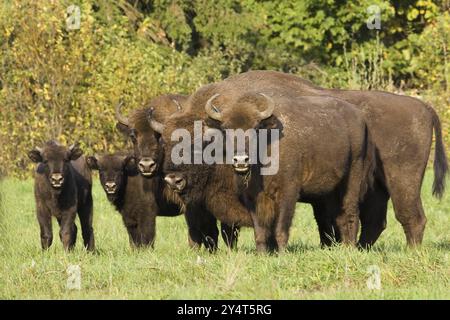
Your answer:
<point x="440" y="164"/>
<point x="370" y="160"/>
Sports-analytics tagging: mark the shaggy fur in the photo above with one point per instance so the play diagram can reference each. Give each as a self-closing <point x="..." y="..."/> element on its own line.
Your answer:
<point x="326" y="157"/>
<point x="201" y="225"/>
<point x="133" y="196"/>
<point x="401" y="128"/>
<point x="65" y="200"/>
<point x="210" y="187"/>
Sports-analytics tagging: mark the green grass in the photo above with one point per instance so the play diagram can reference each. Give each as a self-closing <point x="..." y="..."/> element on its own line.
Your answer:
<point x="172" y="271"/>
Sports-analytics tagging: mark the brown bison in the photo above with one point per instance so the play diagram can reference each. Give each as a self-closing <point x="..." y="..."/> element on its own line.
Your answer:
<point x="133" y="196"/>
<point x="334" y="182"/>
<point x="401" y="128"/>
<point x="62" y="187"/>
<point x="144" y="138"/>
<point x="149" y="154"/>
<point x="203" y="187"/>
<point x="325" y="158"/>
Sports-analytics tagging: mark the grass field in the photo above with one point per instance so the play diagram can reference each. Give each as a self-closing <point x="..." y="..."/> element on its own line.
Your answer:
<point x="172" y="271"/>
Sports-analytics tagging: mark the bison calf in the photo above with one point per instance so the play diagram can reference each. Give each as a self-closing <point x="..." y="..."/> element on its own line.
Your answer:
<point x="62" y="187"/>
<point x="131" y="194"/>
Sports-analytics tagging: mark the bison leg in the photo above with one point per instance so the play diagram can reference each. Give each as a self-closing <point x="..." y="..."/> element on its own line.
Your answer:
<point x="210" y="233"/>
<point x="409" y="212"/>
<point x="68" y="229"/>
<point x="85" y="213"/>
<point x="284" y="221"/>
<point x="372" y="214"/>
<point x="264" y="218"/>
<point x="146" y="229"/>
<point x="202" y="229"/>
<point x="45" y="224"/>
<point x="404" y="183"/>
<point x="230" y="235"/>
<point x="325" y="212"/>
<point x="133" y="234"/>
<point x="348" y="219"/>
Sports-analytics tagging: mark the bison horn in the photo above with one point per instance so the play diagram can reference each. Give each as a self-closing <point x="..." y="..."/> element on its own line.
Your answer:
<point x="211" y="110"/>
<point x="270" y="107"/>
<point x="179" y="108"/>
<point x="122" y="119"/>
<point x="155" y="125"/>
<point x="73" y="146"/>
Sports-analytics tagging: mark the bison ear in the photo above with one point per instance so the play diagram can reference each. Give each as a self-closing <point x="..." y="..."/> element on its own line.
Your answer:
<point x="75" y="152"/>
<point x="270" y="123"/>
<point x="92" y="162"/>
<point x="209" y="123"/>
<point x="35" y="155"/>
<point x="123" y="128"/>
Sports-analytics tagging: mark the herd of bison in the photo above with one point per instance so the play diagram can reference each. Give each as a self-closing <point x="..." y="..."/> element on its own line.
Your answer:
<point x="345" y="152"/>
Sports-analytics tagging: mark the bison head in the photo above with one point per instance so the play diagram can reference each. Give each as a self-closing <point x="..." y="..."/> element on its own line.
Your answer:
<point x="145" y="140"/>
<point x="186" y="179"/>
<point x="245" y="116"/>
<point x="113" y="171"/>
<point x="53" y="160"/>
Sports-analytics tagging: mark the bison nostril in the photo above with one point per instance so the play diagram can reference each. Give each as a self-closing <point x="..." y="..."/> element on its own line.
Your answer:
<point x="57" y="179"/>
<point x="241" y="160"/>
<point x="110" y="187"/>
<point x="147" y="166"/>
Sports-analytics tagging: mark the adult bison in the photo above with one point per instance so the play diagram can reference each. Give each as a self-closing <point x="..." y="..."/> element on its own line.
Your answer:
<point x="401" y="129"/>
<point x="149" y="154"/>
<point x="337" y="182"/>
<point x="62" y="187"/>
<point x="202" y="187"/>
<point x="325" y="157"/>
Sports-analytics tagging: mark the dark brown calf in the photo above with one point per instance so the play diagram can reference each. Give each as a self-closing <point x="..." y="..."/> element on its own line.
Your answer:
<point x="133" y="196"/>
<point x="62" y="187"/>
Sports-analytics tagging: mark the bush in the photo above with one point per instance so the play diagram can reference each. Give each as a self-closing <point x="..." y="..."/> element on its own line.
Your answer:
<point x="63" y="84"/>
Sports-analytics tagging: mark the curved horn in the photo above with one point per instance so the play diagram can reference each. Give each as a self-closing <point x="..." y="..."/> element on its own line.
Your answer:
<point x="74" y="145"/>
<point x="155" y="125"/>
<point x="179" y="108"/>
<point x="211" y="110"/>
<point x="122" y="119"/>
<point x="270" y="107"/>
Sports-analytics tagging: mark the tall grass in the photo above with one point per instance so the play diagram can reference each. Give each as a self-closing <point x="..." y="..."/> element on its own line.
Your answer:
<point x="172" y="271"/>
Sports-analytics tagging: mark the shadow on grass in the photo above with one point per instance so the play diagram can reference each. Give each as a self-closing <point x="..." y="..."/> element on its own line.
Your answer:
<point x="294" y="248"/>
<point x="442" y="245"/>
